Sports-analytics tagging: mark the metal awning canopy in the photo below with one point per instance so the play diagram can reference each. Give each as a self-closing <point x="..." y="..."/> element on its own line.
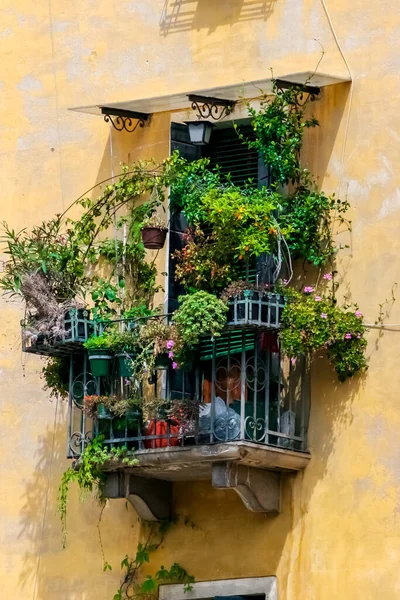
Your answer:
<point x="176" y="102"/>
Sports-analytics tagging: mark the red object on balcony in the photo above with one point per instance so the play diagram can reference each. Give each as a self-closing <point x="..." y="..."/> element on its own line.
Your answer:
<point x="160" y="428"/>
<point x="269" y="341"/>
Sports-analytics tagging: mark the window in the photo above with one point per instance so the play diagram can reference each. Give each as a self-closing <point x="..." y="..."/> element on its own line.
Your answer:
<point x="254" y="588"/>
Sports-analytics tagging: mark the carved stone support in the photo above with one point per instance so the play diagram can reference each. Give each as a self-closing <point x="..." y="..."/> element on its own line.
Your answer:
<point x="151" y="498"/>
<point x="259" y="490"/>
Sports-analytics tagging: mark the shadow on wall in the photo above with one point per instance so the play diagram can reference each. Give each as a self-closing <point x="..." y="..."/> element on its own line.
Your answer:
<point x="39" y="525"/>
<point x="184" y="15"/>
<point x="48" y="571"/>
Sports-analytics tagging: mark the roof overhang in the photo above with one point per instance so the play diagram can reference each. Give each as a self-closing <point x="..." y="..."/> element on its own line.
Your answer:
<point x="176" y="102"/>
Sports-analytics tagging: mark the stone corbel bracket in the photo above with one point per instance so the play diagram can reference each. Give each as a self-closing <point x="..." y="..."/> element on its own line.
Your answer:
<point x="151" y="498"/>
<point x="260" y="490"/>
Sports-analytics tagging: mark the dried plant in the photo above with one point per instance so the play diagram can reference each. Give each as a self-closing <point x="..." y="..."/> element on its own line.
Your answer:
<point x="44" y="314"/>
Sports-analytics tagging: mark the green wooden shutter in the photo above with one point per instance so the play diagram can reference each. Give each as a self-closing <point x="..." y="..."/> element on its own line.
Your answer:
<point x="233" y="156"/>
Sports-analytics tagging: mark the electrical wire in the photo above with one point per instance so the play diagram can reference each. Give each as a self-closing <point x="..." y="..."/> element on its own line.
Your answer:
<point x="346" y="131"/>
<point x="387" y="326"/>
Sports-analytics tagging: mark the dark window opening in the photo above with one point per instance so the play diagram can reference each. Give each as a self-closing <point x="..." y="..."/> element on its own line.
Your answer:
<point x="247" y="597"/>
<point x="233" y="157"/>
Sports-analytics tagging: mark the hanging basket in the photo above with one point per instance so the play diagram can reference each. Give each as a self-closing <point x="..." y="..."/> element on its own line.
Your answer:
<point x="154" y="237"/>
<point x="100" y="361"/>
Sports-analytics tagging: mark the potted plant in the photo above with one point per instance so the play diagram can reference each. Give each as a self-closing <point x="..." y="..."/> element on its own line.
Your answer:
<point x="108" y="407"/>
<point x="251" y="304"/>
<point x="100" y="354"/>
<point x="154" y="232"/>
<point x="97" y="407"/>
<point x="199" y="314"/>
<point x="125" y="345"/>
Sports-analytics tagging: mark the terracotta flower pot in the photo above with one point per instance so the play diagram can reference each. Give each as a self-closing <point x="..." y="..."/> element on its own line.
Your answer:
<point x="154" y="237"/>
<point x="160" y="427"/>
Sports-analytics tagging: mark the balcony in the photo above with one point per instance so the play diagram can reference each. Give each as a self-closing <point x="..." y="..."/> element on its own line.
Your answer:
<point x="238" y="413"/>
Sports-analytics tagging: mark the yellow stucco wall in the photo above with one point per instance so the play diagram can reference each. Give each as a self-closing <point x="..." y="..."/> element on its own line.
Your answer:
<point x="338" y="535"/>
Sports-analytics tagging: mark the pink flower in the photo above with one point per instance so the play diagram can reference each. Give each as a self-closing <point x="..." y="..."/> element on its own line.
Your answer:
<point x="318" y="298"/>
<point x="170" y="344"/>
<point x="293" y="361"/>
<point x="347" y="336"/>
<point x="174" y="365"/>
<point x="358" y="336"/>
<point x="328" y="276"/>
<point x="358" y="314"/>
<point x="324" y="316"/>
<point x="308" y="289"/>
<point x="170" y="354"/>
<point x="285" y="282"/>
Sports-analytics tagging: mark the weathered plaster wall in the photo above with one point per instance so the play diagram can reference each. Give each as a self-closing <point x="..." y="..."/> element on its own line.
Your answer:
<point x="338" y="534"/>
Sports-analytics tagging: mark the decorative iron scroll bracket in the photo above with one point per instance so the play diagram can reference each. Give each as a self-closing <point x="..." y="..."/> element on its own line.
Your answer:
<point x="214" y="108"/>
<point x="306" y="93"/>
<point x="127" y="120"/>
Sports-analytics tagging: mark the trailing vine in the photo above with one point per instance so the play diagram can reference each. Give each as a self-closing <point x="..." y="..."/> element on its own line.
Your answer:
<point x="131" y="587"/>
<point x="89" y="474"/>
<point x="279" y="124"/>
<point x="312" y="320"/>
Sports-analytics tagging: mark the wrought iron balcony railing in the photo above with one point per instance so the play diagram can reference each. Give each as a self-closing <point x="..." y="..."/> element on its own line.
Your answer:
<point x="77" y="328"/>
<point x="239" y="389"/>
<point x="263" y="309"/>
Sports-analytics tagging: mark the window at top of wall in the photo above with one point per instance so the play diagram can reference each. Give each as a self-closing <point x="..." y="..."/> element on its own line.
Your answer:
<point x="225" y="150"/>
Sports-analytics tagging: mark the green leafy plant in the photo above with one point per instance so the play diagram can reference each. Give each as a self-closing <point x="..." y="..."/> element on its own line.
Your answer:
<point x="106" y="298"/>
<point x="243" y="221"/>
<point x="60" y="252"/>
<point x="199" y="314"/>
<point x="136" y="276"/>
<point x="116" y="405"/>
<point x="124" y="341"/>
<point x="200" y="266"/>
<point x="194" y="179"/>
<point x="56" y="375"/>
<point x="311" y="322"/>
<point x="100" y="341"/>
<point x="50" y="250"/>
<point x="89" y="475"/>
<point x="279" y="126"/>
<point x="132" y="588"/>
<point x="153" y="336"/>
<point x="308" y="218"/>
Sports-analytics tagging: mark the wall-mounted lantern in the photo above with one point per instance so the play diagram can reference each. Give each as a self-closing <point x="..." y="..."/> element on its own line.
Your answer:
<point x="206" y="108"/>
<point x="199" y="132"/>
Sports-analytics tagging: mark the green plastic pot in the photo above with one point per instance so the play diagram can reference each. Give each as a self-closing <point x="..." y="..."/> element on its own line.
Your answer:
<point x="125" y="366"/>
<point x="100" y="361"/>
<point x="131" y="420"/>
<point x="103" y="412"/>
